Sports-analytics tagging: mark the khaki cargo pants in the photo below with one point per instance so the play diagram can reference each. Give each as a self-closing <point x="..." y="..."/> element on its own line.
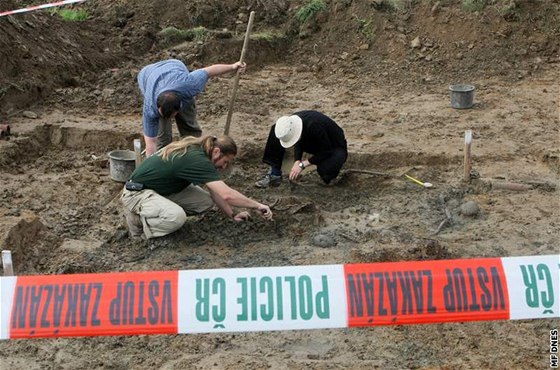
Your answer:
<point x="161" y="215"/>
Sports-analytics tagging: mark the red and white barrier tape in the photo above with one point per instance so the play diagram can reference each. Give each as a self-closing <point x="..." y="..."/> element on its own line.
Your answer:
<point x="280" y="298"/>
<point x="36" y="7"/>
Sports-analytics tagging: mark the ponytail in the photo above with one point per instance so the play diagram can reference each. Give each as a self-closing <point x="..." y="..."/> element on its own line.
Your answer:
<point x="207" y="143"/>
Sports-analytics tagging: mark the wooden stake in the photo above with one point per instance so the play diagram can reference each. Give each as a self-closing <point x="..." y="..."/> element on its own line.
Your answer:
<point x="467" y="160"/>
<point x="510" y="186"/>
<point x="138" y="151"/>
<point x="7" y="263"/>
<point x="236" y="81"/>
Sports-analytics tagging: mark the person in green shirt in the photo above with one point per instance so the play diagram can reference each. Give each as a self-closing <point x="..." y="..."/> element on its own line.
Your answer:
<point x="166" y="187"/>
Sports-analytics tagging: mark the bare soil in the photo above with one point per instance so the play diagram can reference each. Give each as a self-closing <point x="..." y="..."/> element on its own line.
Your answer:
<point x="60" y="209"/>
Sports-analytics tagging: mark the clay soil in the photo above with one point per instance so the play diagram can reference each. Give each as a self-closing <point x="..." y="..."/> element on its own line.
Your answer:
<point x="68" y="91"/>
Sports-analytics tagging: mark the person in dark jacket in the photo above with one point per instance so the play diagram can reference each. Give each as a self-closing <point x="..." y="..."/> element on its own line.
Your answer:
<point x="309" y="132"/>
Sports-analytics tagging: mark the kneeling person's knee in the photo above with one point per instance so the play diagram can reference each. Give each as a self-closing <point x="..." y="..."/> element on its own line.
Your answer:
<point x="177" y="217"/>
<point x="173" y="219"/>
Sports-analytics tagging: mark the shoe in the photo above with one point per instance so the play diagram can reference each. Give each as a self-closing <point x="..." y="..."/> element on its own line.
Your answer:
<point x="269" y="181"/>
<point x="134" y="223"/>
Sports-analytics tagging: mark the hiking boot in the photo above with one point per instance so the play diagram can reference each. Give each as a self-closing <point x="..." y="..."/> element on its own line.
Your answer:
<point x="134" y="223"/>
<point x="269" y="181"/>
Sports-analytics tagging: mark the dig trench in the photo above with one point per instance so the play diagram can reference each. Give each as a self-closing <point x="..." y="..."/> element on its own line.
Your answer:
<point x="62" y="212"/>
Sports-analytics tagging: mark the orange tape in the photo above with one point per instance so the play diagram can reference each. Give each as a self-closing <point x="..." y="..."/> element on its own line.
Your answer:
<point x="95" y="304"/>
<point x="426" y="292"/>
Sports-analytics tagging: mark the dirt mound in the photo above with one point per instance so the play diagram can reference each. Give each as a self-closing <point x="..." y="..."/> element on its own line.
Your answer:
<point x="93" y="62"/>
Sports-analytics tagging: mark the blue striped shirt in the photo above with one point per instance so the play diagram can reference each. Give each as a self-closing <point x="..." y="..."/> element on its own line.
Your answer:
<point x="167" y="75"/>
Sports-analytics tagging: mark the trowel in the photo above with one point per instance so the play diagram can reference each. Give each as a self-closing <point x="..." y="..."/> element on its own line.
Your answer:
<point x="421" y="183"/>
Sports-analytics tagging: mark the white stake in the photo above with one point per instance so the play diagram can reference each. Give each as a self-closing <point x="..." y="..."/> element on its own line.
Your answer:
<point x="7" y="263"/>
<point x="467" y="160"/>
<point x="138" y="151"/>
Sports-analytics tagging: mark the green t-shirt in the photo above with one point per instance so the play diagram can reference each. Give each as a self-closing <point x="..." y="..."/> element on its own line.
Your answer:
<point x="178" y="172"/>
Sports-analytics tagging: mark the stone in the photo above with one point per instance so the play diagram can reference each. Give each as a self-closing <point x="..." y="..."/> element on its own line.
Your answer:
<point x="469" y="209"/>
<point x="323" y="240"/>
<point x="30" y="114"/>
<point x="415" y="44"/>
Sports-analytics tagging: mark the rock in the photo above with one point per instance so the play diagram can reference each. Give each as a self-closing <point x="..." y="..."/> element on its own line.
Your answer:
<point x="323" y="240"/>
<point x="469" y="209"/>
<point x="30" y="114"/>
<point x="415" y="44"/>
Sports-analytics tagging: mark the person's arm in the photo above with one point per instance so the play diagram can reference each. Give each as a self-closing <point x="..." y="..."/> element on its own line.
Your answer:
<point x="227" y="209"/>
<point x="150" y="126"/>
<point x="296" y="169"/>
<point x="222" y="204"/>
<point x="227" y="198"/>
<point x="151" y="145"/>
<point x="220" y="69"/>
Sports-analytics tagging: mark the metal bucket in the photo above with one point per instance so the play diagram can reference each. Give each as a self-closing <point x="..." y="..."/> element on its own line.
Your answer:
<point x="462" y="96"/>
<point x="121" y="164"/>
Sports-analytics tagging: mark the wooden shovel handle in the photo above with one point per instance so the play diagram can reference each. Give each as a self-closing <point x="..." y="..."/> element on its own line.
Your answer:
<point x="236" y="81"/>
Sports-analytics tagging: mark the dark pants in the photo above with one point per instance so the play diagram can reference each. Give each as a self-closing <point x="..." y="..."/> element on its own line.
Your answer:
<point x="186" y="124"/>
<point x="328" y="168"/>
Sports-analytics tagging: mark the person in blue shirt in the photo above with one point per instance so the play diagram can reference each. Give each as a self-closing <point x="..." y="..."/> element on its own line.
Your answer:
<point x="169" y="89"/>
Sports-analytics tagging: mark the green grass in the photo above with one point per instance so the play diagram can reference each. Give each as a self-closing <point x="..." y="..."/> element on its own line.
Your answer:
<point x="268" y="36"/>
<point x="71" y="15"/>
<point x="365" y="27"/>
<point x="198" y="33"/>
<point x="310" y="10"/>
<point x="474" y="5"/>
<point x="175" y="35"/>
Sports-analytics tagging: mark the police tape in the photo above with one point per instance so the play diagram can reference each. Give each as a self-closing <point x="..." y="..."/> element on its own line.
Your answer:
<point x="280" y="298"/>
<point x="36" y="7"/>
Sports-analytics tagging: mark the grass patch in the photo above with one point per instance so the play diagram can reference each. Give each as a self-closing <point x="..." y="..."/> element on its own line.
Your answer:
<point x="474" y="5"/>
<point x="172" y="35"/>
<point x="310" y="10"/>
<point x="71" y="15"/>
<point x="365" y="27"/>
<point x="268" y="36"/>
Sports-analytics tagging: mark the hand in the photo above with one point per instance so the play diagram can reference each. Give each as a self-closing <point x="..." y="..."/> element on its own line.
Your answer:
<point x="241" y="216"/>
<point x="239" y="66"/>
<point x="295" y="171"/>
<point x="265" y="212"/>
